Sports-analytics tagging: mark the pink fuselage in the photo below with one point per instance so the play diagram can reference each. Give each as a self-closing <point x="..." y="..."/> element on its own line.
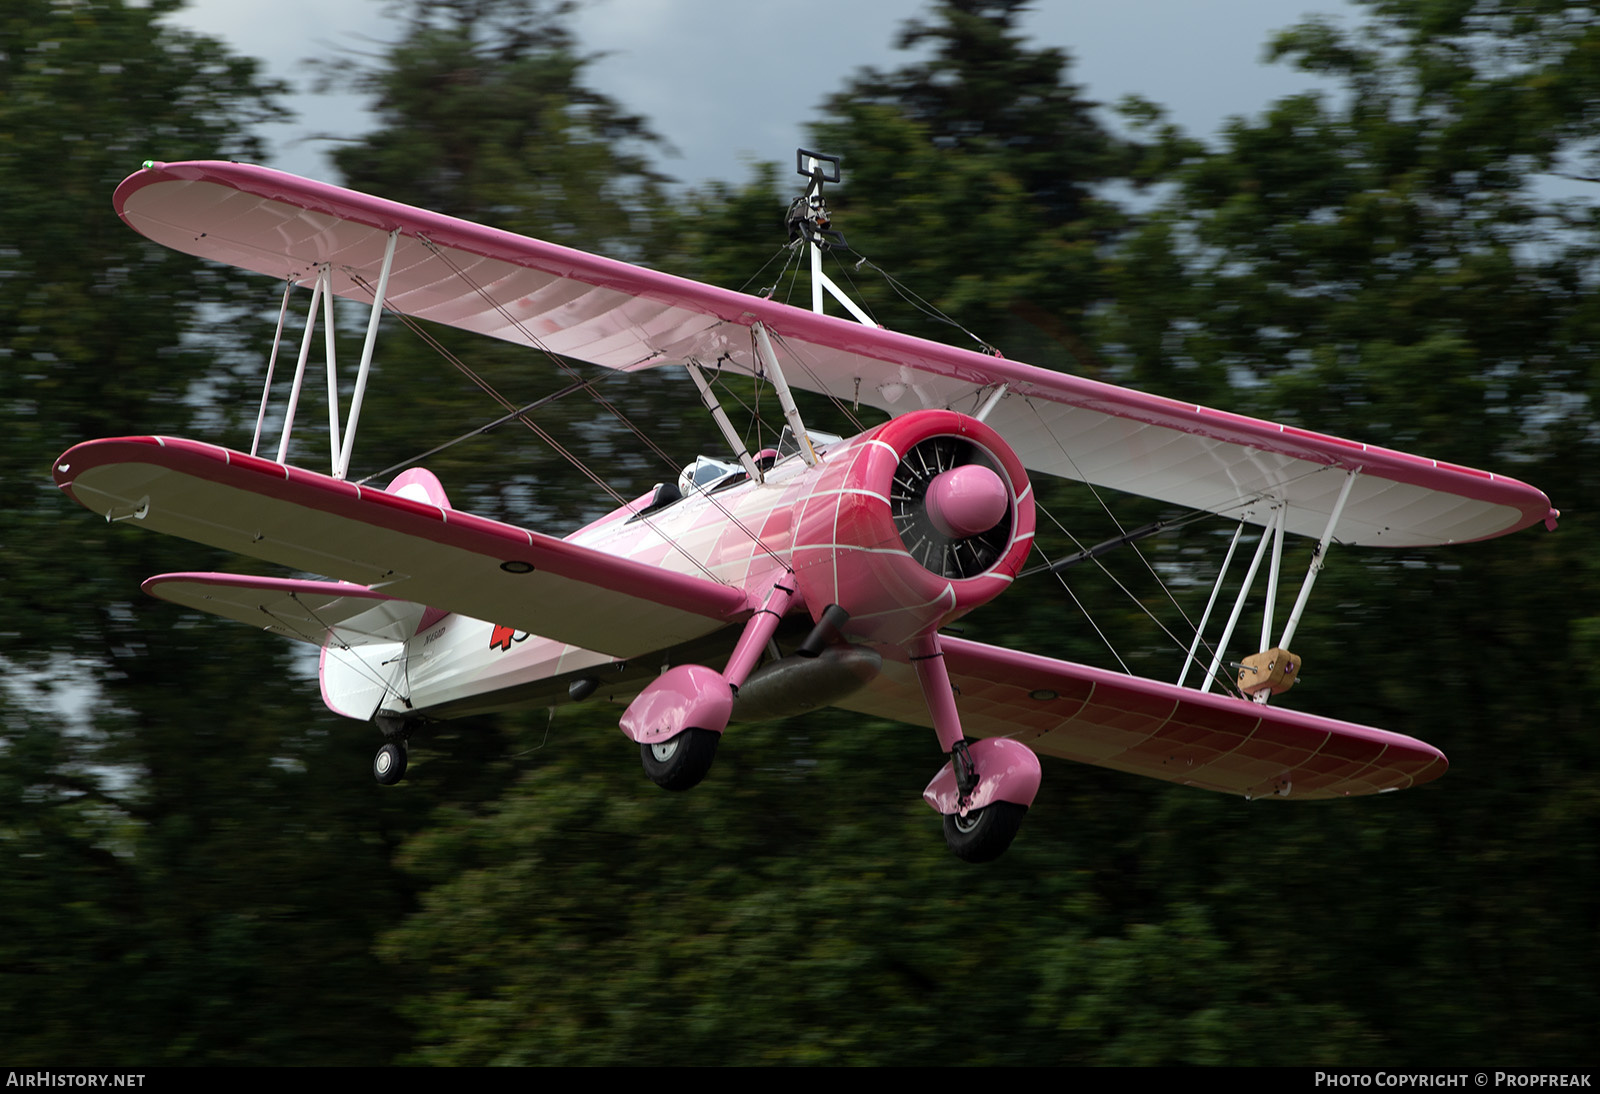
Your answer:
<point x="826" y="524"/>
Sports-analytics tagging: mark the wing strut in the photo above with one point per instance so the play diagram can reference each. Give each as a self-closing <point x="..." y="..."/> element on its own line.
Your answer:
<point x="1318" y="558"/>
<point x="1273" y="534"/>
<point x="339" y="450"/>
<point x="1273" y="529"/>
<point x="300" y="370"/>
<point x="720" y="416"/>
<point x="1205" y="616"/>
<point x="791" y="413"/>
<point x="329" y="353"/>
<point x="272" y="362"/>
<point x="342" y="466"/>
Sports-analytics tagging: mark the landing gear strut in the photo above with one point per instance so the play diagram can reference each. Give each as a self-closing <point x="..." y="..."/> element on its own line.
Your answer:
<point x="986" y="788"/>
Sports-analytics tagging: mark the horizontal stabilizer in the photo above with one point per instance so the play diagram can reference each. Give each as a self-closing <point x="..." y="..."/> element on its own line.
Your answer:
<point x="323" y="613"/>
<point x="396" y="546"/>
<point x="1145" y="727"/>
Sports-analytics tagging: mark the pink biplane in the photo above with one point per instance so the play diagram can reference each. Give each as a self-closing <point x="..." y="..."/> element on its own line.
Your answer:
<point x="820" y="573"/>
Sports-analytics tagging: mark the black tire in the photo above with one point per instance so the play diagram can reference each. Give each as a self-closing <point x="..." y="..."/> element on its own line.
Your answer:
<point x="389" y="765"/>
<point x="984" y="834"/>
<point x="682" y="761"/>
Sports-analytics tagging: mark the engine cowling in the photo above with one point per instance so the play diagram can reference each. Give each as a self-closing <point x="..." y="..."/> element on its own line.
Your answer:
<point x="912" y="524"/>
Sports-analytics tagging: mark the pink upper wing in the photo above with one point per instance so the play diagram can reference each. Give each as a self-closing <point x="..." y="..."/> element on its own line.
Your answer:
<point x="1147" y="728"/>
<point x="624" y="317"/>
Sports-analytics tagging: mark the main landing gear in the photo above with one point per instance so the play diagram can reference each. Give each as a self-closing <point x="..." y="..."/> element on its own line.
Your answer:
<point x="678" y="719"/>
<point x="680" y="762"/>
<point x="986" y="788"/>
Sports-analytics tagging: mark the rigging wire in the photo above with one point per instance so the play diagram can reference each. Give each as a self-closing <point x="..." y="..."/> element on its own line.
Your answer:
<point x="342" y="646"/>
<point x="926" y="307"/>
<point x="1062" y="578"/>
<point x="540" y="746"/>
<point x="818" y="386"/>
<point x="522" y="417"/>
<point x="1120" y="529"/>
<point x="607" y="404"/>
<point x="482" y="429"/>
<point x="789" y="256"/>
<point x="1060" y="575"/>
<point x="793" y="270"/>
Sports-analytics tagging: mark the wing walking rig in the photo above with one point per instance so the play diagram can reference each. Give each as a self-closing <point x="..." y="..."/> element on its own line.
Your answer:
<point x="854" y="553"/>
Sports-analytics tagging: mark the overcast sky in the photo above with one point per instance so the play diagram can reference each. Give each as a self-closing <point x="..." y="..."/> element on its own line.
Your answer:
<point x="733" y="81"/>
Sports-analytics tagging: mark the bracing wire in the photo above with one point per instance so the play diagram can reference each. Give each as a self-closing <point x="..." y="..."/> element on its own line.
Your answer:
<point x="789" y="256"/>
<point x="1120" y="529"/>
<point x="538" y="430"/>
<point x="329" y="629"/>
<point x="605" y="403"/>
<point x="1060" y="576"/>
<point x="1109" y="645"/>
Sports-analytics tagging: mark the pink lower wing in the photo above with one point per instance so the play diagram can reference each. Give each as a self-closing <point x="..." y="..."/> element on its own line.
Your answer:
<point x="1162" y="731"/>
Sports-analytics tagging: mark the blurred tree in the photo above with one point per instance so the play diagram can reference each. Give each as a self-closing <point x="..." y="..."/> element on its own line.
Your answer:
<point x="484" y="113"/>
<point x="976" y="175"/>
<point x="1396" y="265"/>
<point x="182" y="884"/>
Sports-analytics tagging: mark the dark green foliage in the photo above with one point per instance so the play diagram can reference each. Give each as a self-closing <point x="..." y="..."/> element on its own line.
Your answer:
<point x="1391" y="266"/>
<point x="180" y="886"/>
<point x="485" y="114"/>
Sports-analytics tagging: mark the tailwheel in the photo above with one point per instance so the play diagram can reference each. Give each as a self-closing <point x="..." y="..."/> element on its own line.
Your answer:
<point x="389" y="765"/>
<point x="680" y="762"/>
<point x="984" y="834"/>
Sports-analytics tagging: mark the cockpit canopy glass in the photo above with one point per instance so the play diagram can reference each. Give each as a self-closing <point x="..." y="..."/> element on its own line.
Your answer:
<point x="705" y="473"/>
<point x="787" y="446"/>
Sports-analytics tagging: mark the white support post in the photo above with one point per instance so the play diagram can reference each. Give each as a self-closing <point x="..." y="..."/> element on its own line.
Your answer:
<point x="720" y="416"/>
<point x="791" y="413"/>
<point x="991" y="402"/>
<point x="1272" y="579"/>
<point x="837" y="293"/>
<point x="1318" y="559"/>
<point x="816" y="277"/>
<point x="1205" y="617"/>
<point x="329" y="350"/>
<point x="272" y="361"/>
<point x="820" y="280"/>
<point x="1238" y="604"/>
<point x="342" y="466"/>
<point x="300" y="369"/>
